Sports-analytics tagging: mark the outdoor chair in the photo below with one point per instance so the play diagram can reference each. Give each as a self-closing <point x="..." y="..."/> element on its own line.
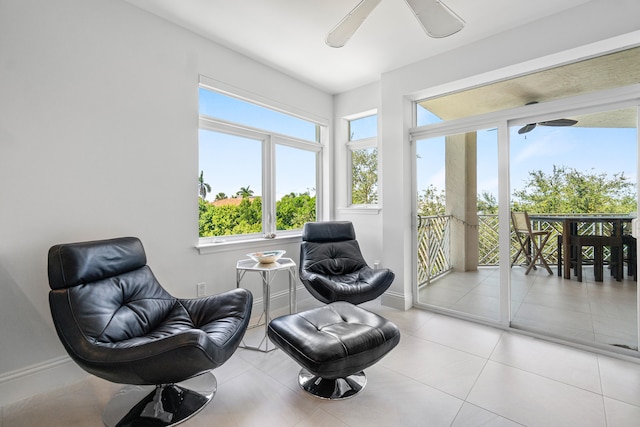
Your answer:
<point x="598" y="243"/>
<point x="629" y="243"/>
<point x="531" y="242"/>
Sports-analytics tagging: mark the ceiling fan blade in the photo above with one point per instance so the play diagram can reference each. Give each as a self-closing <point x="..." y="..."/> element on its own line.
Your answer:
<point x="436" y="18"/>
<point x="526" y="128"/>
<point x="559" y="122"/>
<point x="342" y="32"/>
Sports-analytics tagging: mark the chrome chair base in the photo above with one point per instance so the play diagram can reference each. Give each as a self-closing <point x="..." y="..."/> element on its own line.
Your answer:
<point x="163" y="405"/>
<point x="332" y="389"/>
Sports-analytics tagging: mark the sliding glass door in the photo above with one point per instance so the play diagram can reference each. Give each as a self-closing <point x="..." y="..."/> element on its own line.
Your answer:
<point x="468" y="259"/>
<point x="582" y="169"/>
<point x="457" y="266"/>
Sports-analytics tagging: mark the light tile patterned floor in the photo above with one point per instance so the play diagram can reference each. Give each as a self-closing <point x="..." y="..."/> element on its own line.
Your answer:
<point x="444" y="372"/>
<point x="601" y="312"/>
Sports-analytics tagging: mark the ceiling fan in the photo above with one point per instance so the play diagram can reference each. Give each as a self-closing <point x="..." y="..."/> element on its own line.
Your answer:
<point x="434" y="16"/>
<point x="557" y="122"/>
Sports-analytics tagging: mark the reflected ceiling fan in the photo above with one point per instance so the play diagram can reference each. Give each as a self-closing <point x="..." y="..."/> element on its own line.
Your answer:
<point x="557" y="122"/>
<point x="434" y="16"/>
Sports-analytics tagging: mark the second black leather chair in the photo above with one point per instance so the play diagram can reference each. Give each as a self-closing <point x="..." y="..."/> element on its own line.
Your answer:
<point x="332" y="267"/>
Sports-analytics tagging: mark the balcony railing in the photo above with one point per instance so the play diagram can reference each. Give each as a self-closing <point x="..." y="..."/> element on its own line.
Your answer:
<point x="434" y="243"/>
<point x="434" y="236"/>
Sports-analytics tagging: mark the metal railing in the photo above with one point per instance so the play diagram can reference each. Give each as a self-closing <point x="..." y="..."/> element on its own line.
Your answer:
<point x="434" y="233"/>
<point x="434" y="236"/>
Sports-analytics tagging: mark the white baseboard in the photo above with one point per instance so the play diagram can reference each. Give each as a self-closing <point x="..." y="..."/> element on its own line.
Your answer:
<point x="278" y="299"/>
<point x="396" y="300"/>
<point x="40" y="378"/>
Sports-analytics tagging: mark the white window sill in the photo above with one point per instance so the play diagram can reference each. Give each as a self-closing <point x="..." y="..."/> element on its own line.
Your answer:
<point x="209" y="246"/>
<point x="361" y="210"/>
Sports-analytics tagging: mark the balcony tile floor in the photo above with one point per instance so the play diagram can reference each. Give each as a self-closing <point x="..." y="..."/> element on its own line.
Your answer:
<point x="602" y="312"/>
<point x="444" y="372"/>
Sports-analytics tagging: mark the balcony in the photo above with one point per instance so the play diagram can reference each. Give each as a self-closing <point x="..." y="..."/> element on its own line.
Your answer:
<point x="593" y="313"/>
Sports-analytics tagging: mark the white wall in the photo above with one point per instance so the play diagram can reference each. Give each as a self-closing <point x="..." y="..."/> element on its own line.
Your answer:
<point x="367" y="223"/>
<point x="98" y="139"/>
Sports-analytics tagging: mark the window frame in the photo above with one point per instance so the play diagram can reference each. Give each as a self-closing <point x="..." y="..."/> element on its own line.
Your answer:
<point x="269" y="141"/>
<point x="355" y="145"/>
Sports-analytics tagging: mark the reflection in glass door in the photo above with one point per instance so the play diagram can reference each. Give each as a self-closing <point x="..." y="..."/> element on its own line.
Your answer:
<point x="457" y="266"/>
<point x="557" y="173"/>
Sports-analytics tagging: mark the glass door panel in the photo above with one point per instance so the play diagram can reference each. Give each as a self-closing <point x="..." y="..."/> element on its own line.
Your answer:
<point x="560" y="171"/>
<point x="457" y="266"/>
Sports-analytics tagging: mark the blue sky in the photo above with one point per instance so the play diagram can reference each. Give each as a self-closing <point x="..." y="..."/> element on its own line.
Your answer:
<point x="597" y="150"/>
<point x="600" y="150"/>
<point x="232" y="162"/>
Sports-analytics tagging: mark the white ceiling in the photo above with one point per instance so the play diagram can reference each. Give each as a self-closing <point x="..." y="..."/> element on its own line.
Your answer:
<point x="289" y="34"/>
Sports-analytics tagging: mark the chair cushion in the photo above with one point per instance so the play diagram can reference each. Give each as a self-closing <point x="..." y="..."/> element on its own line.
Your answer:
<point x="360" y="286"/>
<point x="186" y="342"/>
<point x="332" y="258"/>
<point x="335" y="340"/>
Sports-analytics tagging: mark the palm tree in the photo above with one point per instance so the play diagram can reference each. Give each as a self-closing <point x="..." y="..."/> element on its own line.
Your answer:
<point x="203" y="187"/>
<point x="221" y="196"/>
<point x="245" y="192"/>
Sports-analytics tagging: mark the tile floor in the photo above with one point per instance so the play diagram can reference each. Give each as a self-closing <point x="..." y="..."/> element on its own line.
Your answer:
<point x="444" y="372"/>
<point x="602" y="312"/>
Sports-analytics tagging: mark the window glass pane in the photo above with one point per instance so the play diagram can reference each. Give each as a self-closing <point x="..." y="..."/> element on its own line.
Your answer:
<point x="561" y="173"/>
<point x="458" y="263"/>
<point x="365" y="127"/>
<point x="364" y="176"/>
<point x="295" y="187"/>
<point x="425" y="117"/>
<point x="235" y="110"/>
<point x="230" y="184"/>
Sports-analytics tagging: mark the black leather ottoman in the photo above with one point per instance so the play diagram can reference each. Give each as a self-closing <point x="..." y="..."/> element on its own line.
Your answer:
<point x="334" y="344"/>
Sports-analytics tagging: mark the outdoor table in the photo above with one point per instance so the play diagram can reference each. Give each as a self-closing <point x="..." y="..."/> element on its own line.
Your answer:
<point x="570" y="226"/>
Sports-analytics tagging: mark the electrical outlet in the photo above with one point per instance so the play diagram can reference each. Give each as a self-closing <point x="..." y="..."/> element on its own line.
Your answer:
<point x="200" y="290"/>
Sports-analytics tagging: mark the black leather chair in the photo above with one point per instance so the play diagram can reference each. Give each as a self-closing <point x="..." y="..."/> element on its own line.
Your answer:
<point x="117" y="322"/>
<point x="332" y="267"/>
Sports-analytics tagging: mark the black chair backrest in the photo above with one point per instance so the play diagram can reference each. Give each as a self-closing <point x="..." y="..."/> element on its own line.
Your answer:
<point x="328" y="231"/>
<point x="330" y="248"/>
<point x="73" y="264"/>
<point x="103" y="292"/>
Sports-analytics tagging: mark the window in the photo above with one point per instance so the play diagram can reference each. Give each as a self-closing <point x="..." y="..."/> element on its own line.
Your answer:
<point x="258" y="169"/>
<point x="362" y="148"/>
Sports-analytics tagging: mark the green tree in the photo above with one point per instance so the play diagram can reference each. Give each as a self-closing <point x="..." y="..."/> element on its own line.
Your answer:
<point x="293" y="210"/>
<point x="203" y="187"/>
<point x="221" y="196"/>
<point x="568" y="190"/>
<point x="245" y="192"/>
<point x="364" y="176"/>
<point x="487" y="203"/>
<point x="431" y="201"/>
<point x="229" y="219"/>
